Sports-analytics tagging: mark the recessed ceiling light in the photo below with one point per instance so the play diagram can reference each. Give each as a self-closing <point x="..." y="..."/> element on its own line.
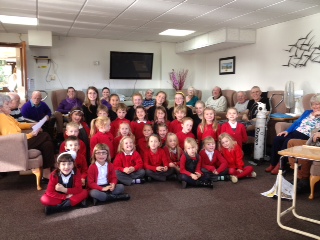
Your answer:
<point x="176" y="32"/>
<point x="18" y="20"/>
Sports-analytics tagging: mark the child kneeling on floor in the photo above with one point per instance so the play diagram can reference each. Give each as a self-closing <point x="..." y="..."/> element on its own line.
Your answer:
<point x="190" y="166"/>
<point x="102" y="179"/>
<point x="233" y="153"/>
<point x="65" y="187"/>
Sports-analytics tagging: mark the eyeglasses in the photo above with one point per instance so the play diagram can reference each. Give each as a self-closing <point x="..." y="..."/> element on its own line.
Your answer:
<point x="101" y="153"/>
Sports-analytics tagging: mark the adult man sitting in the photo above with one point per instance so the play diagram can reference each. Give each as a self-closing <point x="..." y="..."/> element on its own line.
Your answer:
<point x="149" y="101"/>
<point x="217" y="101"/>
<point x="35" y="109"/>
<point x="242" y="102"/>
<point x="64" y="108"/>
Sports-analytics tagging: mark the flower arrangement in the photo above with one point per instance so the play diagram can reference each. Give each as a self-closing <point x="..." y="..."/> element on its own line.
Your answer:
<point x="178" y="78"/>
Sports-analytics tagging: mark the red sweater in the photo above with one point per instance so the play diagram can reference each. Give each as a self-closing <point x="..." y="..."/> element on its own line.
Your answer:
<point x="122" y="161"/>
<point x="93" y="176"/>
<point x="142" y="146"/>
<point x="218" y="162"/>
<point x="239" y="134"/>
<point x="82" y="166"/>
<point x="183" y="169"/>
<point x="175" y="126"/>
<point x="234" y="157"/>
<point x="153" y="160"/>
<point x="85" y="126"/>
<point x="82" y="151"/>
<point x="115" y="125"/>
<point x="105" y="138"/>
<point x="54" y="179"/>
<point x="208" y="132"/>
<point x="173" y="157"/>
<point x="137" y="129"/>
<point x="182" y="136"/>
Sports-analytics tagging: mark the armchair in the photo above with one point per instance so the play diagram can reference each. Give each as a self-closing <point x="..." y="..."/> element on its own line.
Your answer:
<point x="15" y="156"/>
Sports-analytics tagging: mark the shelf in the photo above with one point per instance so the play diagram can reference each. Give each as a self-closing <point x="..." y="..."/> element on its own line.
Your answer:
<point x="37" y="58"/>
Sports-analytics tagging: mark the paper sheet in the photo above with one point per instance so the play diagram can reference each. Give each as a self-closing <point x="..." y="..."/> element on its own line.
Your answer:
<point x="37" y="126"/>
<point x="286" y="192"/>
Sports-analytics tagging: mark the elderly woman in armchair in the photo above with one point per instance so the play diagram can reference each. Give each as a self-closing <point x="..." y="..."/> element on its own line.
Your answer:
<point x="36" y="140"/>
<point x="300" y="129"/>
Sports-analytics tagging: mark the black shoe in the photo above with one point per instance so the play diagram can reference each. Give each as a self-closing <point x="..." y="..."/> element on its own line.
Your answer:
<point x="139" y="181"/>
<point x="44" y="180"/>
<point x="65" y="205"/>
<point x="183" y="184"/>
<point x="117" y="197"/>
<point x="84" y="204"/>
<point x="148" y="179"/>
<point x="95" y="201"/>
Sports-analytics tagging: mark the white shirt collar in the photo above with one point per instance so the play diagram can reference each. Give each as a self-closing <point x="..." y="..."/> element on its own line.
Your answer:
<point x="233" y="125"/>
<point x="144" y="121"/>
<point x="128" y="154"/>
<point x="210" y="155"/>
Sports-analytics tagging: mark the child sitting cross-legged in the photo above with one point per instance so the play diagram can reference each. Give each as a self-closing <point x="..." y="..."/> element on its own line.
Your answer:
<point x="64" y="190"/>
<point x="173" y="151"/>
<point x="102" y="179"/>
<point x="128" y="163"/>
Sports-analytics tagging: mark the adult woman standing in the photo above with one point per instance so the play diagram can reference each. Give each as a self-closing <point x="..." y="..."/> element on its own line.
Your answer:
<point x="161" y="100"/>
<point x="300" y="129"/>
<point x="191" y="99"/>
<point x="36" y="140"/>
<point x="179" y="100"/>
<point x="91" y="104"/>
<point x="105" y="99"/>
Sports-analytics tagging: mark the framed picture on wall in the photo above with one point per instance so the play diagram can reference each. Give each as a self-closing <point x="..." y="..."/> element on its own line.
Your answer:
<point x="227" y="65"/>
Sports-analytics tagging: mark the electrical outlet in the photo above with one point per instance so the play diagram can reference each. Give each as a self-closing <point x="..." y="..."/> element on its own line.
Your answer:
<point x="53" y="77"/>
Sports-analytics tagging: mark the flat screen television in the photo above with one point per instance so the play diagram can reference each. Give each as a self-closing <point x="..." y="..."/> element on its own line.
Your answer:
<point x="130" y="65"/>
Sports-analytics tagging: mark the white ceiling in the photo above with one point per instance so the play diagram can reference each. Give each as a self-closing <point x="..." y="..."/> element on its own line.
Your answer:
<point x="143" y="20"/>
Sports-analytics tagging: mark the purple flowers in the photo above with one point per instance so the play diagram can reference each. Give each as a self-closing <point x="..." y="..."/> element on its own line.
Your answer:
<point x="178" y="79"/>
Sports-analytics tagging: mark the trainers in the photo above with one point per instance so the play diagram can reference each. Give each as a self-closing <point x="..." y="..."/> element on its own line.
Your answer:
<point x="184" y="184"/>
<point x="139" y="181"/>
<point x="253" y="174"/>
<point x="233" y="178"/>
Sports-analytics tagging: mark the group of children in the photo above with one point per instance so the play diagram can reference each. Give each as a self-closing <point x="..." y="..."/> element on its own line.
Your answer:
<point x="140" y="150"/>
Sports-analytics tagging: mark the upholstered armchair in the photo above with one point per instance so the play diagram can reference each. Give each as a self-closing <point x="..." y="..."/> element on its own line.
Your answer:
<point x="15" y="156"/>
<point x="58" y="95"/>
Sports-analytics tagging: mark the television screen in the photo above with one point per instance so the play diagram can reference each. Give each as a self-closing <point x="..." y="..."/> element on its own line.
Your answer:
<point x="130" y="65"/>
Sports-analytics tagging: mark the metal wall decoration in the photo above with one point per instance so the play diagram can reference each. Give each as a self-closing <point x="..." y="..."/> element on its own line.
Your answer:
<point x="304" y="50"/>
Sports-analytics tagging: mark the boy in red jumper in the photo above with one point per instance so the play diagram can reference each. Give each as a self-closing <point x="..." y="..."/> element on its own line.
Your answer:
<point x="72" y="144"/>
<point x="179" y="113"/>
<point x="121" y="114"/>
<point x="72" y="129"/>
<point x="185" y="132"/>
<point x="128" y="163"/>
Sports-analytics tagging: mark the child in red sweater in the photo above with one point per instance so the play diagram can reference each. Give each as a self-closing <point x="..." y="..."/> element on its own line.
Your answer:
<point x="179" y="113"/>
<point x="186" y="131"/>
<point x="162" y="132"/>
<point x="156" y="162"/>
<point x="140" y="119"/>
<point x="236" y="130"/>
<point x="72" y="144"/>
<point x="64" y="189"/>
<point x="128" y="163"/>
<point x="233" y="153"/>
<point x="173" y="151"/>
<point x="213" y="163"/>
<point x="124" y="130"/>
<point x="209" y="126"/>
<point x="102" y="111"/>
<point x="142" y="146"/>
<point x="190" y="166"/>
<point x="100" y="133"/>
<point x="121" y="114"/>
<point x="102" y="179"/>
<point x="72" y="129"/>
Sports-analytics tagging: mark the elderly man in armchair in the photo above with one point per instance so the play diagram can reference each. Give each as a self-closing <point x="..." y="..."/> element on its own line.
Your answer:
<point x="217" y="101"/>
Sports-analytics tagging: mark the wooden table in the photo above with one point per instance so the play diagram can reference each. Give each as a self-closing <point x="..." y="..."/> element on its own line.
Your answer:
<point x="307" y="153"/>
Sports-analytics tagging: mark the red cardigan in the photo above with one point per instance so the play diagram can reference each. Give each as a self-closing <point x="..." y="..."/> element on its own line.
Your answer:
<point x="183" y="169"/>
<point x="115" y="125"/>
<point x="175" y="126"/>
<point x="218" y="162"/>
<point x="93" y="176"/>
<point x="153" y="160"/>
<point x="174" y="158"/>
<point x="208" y="132"/>
<point x="142" y="146"/>
<point x="182" y="136"/>
<point x="54" y="179"/>
<point x="82" y="166"/>
<point x="122" y="161"/>
<point x="137" y="129"/>
<point x="239" y="135"/>
<point x="82" y="151"/>
<point x="234" y="157"/>
<point x="105" y="138"/>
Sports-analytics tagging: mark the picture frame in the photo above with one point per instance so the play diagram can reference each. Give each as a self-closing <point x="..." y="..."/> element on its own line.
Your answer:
<point x="227" y="65"/>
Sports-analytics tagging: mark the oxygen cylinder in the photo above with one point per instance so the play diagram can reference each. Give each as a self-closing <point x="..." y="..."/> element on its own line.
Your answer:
<point x="260" y="131"/>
